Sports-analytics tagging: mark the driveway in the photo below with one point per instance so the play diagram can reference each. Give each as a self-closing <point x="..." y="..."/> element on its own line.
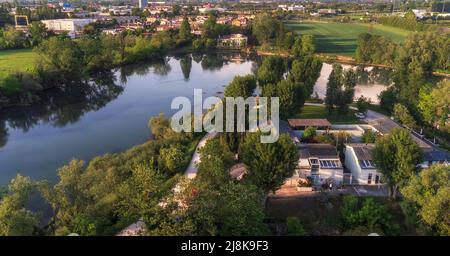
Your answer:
<point x="376" y="190"/>
<point x="191" y="170"/>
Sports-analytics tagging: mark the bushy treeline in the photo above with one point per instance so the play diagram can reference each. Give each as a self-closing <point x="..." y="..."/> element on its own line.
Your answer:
<point x="114" y="190"/>
<point x="408" y="22"/>
<point x="270" y="33"/>
<point x="377" y="49"/>
<point x="105" y="195"/>
<point x="412" y="98"/>
<point x="62" y="61"/>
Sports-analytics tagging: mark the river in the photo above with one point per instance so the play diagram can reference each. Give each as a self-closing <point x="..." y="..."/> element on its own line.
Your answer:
<point x="112" y="114"/>
<point x="370" y="83"/>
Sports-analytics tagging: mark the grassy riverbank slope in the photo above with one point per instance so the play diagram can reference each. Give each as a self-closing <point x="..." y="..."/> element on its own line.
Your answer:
<point x="16" y="60"/>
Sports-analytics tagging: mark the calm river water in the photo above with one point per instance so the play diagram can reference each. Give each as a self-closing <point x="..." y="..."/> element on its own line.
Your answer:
<point x="112" y="114"/>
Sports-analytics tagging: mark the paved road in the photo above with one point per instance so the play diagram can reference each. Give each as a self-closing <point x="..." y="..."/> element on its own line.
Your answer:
<point x="138" y="227"/>
<point x="191" y="170"/>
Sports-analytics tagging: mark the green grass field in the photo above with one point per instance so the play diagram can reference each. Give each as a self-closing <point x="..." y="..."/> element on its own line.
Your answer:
<point x="313" y="112"/>
<point x="16" y="60"/>
<point x="341" y="38"/>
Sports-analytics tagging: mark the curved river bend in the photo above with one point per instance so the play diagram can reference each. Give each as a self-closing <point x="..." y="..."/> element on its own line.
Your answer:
<point x="112" y="114"/>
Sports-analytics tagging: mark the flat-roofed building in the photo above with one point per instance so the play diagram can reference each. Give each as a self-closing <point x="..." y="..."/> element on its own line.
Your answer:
<point x="358" y="159"/>
<point x="71" y="26"/>
<point x="319" y="163"/>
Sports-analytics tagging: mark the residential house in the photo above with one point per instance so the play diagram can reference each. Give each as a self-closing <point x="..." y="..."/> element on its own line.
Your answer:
<point x="240" y="22"/>
<point x="324" y="12"/>
<point x="319" y="163"/>
<point x="358" y="160"/>
<point x="433" y="156"/>
<point x="234" y="41"/>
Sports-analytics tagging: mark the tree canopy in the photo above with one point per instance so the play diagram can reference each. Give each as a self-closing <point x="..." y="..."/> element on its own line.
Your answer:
<point x="269" y="163"/>
<point x="396" y="156"/>
<point x="429" y="192"/>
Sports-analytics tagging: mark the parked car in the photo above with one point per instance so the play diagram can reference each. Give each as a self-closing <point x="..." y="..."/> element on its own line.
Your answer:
<point x="360" y="115"/>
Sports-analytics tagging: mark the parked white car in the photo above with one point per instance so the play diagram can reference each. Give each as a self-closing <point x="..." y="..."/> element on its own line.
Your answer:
<point x="360" y="115"/>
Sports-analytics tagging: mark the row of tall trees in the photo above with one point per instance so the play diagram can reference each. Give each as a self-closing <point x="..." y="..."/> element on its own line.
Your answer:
<point x="11" y="38"/>
<point x="413" y="96"/>
<point x="408" y="21"/>
<point x="340" y="89"/>
<point x="62" y="61"/>
<point x="425" y="192"/>
<point x="105" y="195"/>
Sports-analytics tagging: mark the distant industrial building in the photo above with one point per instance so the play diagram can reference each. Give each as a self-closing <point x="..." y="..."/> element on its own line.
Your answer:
<point x="71" y="26"/>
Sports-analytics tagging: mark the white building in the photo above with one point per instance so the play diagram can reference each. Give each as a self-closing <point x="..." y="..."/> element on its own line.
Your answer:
<point x="358" y="159"/>
<point x="235" y="41"/>
<point x="433" y="156"/>
<point x="211" y="9"/>
<point x="320" y="163"/>
<point x="143" y="4"/>
<point x="420" y="13"/>
<point x="296" y="8"/>
<point x="71" y="26"/>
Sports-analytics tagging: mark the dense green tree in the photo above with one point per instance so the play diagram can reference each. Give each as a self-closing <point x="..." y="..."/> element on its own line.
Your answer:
<point x="309" y="133"/>
<point x="294" y="227"/>
<point x="15" y="219"/>
<point x="362" y="104"/>
<point x="369" y="214"/>
<point x="230" y="209"/>
<point x="306" y="70"/>
<point x="185" y="31"/>
<point x="62" y="58"/>
<point x="12" y="38"/>
<point x="340" y="89"/>
<point x="369" y="136"/>
<point x="429" y="192"/>
<point x="402" y="114"/>
<point x="186" y="66"/>
<point x="269" y="163"/>
<point x="172" y="158"/>
<point x="38" y="32"/>
<point x="291" y="96"/>
<point x="408" y="21"/>
<point x="140" y="194"/>
<point x="333" y="87"/>
<point x="396" y="156"/>
<point x="388" y="98"/>
<point x="267" y="29"/>
<point x="271" y="70"/>
<point x="162" y="131"/>
<point x="413" y="66"/>
<point x="375" y="49"/>
<point x="308" y="46"/>
<point x="241" y="86"/>
<point x="303" y="46"/>
<point x="209" y="28"/>
<point x="215" y="160"/>
<point x="434" y="107"/>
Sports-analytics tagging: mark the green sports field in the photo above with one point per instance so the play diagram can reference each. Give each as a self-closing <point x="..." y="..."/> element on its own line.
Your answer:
<point x="16" y="60"/>
<point x="341" y="38"/>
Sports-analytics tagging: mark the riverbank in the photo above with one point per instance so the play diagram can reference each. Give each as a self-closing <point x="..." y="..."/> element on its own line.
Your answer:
<point x="109" y="116"/>
<point x="340" y="59"/>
